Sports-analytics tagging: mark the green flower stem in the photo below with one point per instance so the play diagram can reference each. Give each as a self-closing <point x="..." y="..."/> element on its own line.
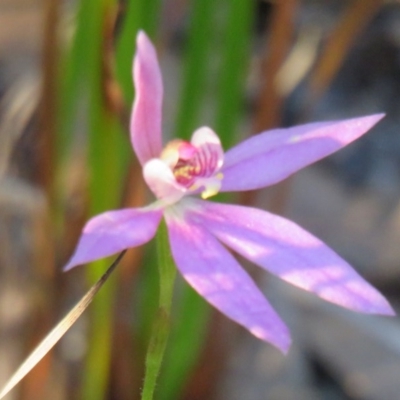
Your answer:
<point x="161" y="328"/>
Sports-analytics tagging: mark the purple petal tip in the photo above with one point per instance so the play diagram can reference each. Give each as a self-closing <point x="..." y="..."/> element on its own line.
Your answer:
<point x="142" y="36"/>
<point x="68" y="267"/>
<point x="374" y="119"/>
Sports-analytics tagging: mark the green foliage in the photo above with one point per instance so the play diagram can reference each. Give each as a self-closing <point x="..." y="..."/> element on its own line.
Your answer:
<point x="197" y="56"/>
<point x="138" y="14"/>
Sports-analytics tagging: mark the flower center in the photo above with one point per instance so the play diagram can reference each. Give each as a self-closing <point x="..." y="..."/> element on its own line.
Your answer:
<point x="195" y="167"/>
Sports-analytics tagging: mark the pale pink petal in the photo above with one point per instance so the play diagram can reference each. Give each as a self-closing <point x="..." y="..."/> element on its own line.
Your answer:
<point x="146" y="113"/>
<point x="114" y="231"/>
<point x="213" y="272"/>
<point x="274" y="155"/>
<point x="207" y="140"/>
<point x="162" y="182"/>
<point x="288" y="251"/>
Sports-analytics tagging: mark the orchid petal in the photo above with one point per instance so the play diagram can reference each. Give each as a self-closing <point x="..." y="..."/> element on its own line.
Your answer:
<point x="288" y="251"/>
<point x="215" y="274"/>
<point x="114" y="231"/>
<point x="162" y="182"/>
<point x="274" y="155"/>
<point x="147" y="108"/>
<point x="206" y="140"/>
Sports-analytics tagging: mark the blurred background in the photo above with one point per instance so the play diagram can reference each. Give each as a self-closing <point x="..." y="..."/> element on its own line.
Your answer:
<point x="240" y="66"/>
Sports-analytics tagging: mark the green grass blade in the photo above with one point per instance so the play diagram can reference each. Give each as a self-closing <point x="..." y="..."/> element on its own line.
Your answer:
<point x="187" y="340"/>
<point x="139" y="14"/>
<point x="233" y="68"/>
<point x="106" y="156"/>
<point x="75" y="70"/>
<point x="196" y="67"/>
<point x="162" y="322"/>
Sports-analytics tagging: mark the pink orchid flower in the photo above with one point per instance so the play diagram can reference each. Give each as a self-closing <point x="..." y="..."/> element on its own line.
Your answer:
<point x="199" y="230"/>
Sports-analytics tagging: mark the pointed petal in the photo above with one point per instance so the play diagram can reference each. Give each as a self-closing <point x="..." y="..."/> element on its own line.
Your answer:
<point x="114" y="231"/>
<point x="274" y="155"/>
<point x="213" y="272"/>
<point x="146" y="113"/>
<point x="288" y="251"/>
<point x="162" y="182"/>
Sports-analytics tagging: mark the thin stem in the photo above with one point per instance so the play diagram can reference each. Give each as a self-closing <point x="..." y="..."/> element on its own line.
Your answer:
<point x="161" y="328"/>
<point x="58" y="331"/>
